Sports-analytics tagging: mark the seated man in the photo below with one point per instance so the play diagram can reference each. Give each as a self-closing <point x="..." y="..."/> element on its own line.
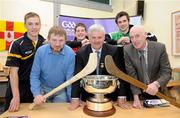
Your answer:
<point x="53" y="64"/>
<point x="146" y="61"/>
<point x="96" y="34"/>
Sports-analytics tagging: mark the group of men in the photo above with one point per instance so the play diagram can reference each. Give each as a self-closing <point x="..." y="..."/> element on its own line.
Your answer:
<point x="36" y="69"/>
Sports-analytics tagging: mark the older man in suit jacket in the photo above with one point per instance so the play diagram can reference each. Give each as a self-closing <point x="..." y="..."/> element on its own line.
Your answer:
<point x="157" y="72"/>
<point x="96" y="35"/>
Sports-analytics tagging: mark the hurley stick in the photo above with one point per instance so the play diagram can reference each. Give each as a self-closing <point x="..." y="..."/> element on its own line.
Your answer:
<point x="89" y="68"/>
<point x="114" y="70"/>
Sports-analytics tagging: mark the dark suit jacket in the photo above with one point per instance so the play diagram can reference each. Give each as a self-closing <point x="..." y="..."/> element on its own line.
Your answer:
<point x="158" y="64"/>
<point x="82" y="57"/>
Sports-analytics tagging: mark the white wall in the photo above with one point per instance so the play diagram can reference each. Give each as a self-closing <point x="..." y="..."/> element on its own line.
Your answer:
<point x="158" y="20"/>
<point x="117" y="5"/>
<point x="0" y="8"/>
<point x="157" y="15"/>
<point x="14" y="10"/>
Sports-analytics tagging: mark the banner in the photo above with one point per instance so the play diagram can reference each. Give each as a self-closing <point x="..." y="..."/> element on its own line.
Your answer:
<point x="9" y="31"/>
<point x="69" y="23"/>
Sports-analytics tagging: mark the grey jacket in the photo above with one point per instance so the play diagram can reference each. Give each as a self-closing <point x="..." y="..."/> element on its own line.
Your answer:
<point x="158" y="64"/>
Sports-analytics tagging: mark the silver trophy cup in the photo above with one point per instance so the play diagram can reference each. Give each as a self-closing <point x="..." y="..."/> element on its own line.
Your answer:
<point x="99" y="85"/>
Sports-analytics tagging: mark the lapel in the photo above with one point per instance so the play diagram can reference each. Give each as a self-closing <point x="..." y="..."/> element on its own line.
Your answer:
<point x="137" y="61"/>
<point x="102" y="58"/>
<point x="151" y="57"/>
<point x="103" y="54"/>
<point x="87" y="52"/>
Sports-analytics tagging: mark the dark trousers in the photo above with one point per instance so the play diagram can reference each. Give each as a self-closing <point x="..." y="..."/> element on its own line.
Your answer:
<point x="25" y="93"/>
<point x="145" y="96"/>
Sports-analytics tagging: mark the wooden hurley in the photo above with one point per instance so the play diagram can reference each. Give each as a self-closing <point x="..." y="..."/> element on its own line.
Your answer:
<point x="114" y="70"/>
<point x="89" y="68"/>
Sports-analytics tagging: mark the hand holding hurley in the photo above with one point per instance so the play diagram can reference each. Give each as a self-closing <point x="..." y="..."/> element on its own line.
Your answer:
<point x="89" y="68"/>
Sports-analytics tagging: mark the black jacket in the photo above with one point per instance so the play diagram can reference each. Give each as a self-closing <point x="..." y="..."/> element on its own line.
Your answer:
<point x="82" y="57"/>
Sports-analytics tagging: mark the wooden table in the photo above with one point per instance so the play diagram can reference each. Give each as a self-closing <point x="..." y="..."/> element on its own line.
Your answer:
<point x="3" y="79"/>
<point x="60" y="110"/>
<point x="173" y="87"/>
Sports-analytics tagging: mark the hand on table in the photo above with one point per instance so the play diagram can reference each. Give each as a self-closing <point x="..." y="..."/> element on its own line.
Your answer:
<point x="123" y="103"/>
<point x="137" y="103"/>
<point x="14" y="104"/>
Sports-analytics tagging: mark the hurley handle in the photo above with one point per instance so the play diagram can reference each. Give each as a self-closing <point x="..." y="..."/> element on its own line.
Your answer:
<point x="114" y="70"/>
<point x="89" y="68"/>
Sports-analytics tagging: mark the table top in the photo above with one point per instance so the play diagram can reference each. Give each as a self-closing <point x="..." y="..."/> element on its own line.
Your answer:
<point x="174" y="83"/>
<point x="176" y="70"/>
<point x="3" y="79"/>
<point x="60" y="110"/>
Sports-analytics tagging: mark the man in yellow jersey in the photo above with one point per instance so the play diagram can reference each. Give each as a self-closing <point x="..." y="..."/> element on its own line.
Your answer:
<point x="20" y="59"/>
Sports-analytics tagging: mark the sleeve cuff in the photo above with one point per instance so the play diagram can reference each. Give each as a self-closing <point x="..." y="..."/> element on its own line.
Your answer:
<point x="122" y="97"/>
<point x="75" y="98"/>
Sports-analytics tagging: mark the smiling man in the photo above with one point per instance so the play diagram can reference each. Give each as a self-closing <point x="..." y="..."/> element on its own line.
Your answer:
<point x="80" y="38"/>
<point x="146" y="61"/>
<point x="20" y="59"/>
<point x="52" y="66"/>
<point x="122" y="21"/>
<point x="96" y="34"/>
<point x="122" y="37"/>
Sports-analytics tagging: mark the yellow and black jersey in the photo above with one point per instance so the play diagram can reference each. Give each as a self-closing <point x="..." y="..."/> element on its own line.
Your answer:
<point x="21" y="54"/>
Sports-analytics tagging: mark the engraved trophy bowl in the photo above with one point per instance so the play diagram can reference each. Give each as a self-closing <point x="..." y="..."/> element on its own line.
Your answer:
<point x="99" y="85"/>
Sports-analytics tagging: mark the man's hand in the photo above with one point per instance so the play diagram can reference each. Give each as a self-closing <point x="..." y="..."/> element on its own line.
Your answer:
<point x="39" y="99"/>
<point x="85" y="42"/>
<point x="152" y="88"/>
<point x="124" y="40"/>
<point x="121" y="102"/>
<point x="14" y="104"/>
<point x="75" y="103"/>
<point x="137" y="103"/>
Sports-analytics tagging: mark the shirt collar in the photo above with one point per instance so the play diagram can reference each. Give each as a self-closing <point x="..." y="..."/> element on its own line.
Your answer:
<point x="145" y="48"/>
<point x="62" y="51"/>
<point x="94" y="50"/>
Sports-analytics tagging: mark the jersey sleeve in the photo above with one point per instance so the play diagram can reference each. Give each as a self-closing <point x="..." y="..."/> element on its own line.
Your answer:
<point x="14" y="55"/>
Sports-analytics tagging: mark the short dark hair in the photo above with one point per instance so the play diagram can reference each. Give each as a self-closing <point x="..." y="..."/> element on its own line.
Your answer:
<point x="80" y="25"/>
<point x="29" y="15"/>
<point x="120" y="14"/>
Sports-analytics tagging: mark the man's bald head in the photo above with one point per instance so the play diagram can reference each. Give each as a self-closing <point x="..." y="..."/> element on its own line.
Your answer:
<point x="138" y="37"/>
<point x="138" y="28"/>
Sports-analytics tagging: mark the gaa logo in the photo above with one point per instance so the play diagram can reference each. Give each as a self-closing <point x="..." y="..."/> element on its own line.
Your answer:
<point x="68" y="24"/>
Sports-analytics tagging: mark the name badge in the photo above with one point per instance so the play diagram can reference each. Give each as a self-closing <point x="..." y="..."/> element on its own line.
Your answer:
<point x="102" y="65"/>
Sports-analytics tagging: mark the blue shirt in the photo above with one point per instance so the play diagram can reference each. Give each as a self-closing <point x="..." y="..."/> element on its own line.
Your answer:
<point x="51" y="69"/>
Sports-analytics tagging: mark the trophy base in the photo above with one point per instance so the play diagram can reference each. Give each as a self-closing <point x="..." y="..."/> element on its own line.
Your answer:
<point x="99" y="106"/>
<point x="99" y="113"/>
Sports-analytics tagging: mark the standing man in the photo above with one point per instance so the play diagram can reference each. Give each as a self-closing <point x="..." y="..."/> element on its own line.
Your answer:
<point x="20" y="59"/>
<point x="80" y="39"/>
<point x="96" y="34"/>
<point x="146" y="61"/>
<point x="53" y="65"/>
<point x="122" y="37"/>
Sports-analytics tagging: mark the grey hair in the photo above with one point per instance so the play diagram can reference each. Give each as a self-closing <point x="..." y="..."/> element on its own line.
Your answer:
<point x="97" y="28"/>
